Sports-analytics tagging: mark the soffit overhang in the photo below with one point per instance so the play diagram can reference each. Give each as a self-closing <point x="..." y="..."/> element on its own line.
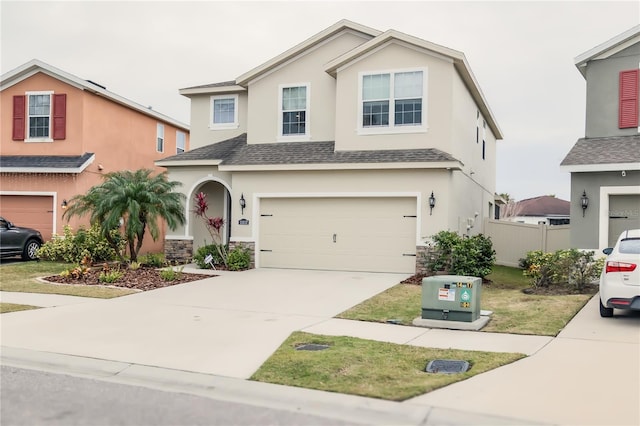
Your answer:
<point x="608" y="48"/>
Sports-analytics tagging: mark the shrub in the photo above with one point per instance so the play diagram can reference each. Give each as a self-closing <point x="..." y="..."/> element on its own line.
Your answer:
<point x="85" y="243"/>
<point x="110" y="276"/>
<point x="587" y="270"/>
<point x="154" y="260"/>
<point x="170" y="274"/>
<point x="203" y="251"/>
<point x="134" y="266"/>
<point x="563" y="267"/>
<point x="575" y="267"/>
<point x="440" y="258"/>
<point x="77" y="272"/>
<point x="473" y="256"/>
<point x="539" y="267"/>
<point x="239" y="259"/>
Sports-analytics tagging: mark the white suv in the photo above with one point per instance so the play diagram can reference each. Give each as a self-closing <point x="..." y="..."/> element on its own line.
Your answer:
<point x="620" y="278"/>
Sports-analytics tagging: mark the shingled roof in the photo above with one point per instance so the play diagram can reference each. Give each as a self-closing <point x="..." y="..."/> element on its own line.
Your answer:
<point x="608" y="150"/>
<point x="545" y="205"/>
<point x="45" y="163"/>
<point x="237" y="152"/>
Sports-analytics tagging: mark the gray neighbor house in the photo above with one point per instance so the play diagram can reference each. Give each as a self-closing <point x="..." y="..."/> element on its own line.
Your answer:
<point x="605" y="164"/>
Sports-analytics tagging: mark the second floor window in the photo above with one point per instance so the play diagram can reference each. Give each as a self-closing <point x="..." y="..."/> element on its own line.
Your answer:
<point x="224" y="111"/>
<point x="294" y="108"/>
<point x="39" y="111"/>
<point x="181" y="140"/>
<point x="39" y="117"/>
<point x="392" y="100"/>
<point x="160" y="138"/>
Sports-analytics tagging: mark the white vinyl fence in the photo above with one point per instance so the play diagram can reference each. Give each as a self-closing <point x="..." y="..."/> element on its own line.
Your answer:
<point x="512" y="240"/>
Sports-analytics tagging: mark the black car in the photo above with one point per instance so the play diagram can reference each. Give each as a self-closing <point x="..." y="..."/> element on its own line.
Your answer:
<point x="17" y="241"/>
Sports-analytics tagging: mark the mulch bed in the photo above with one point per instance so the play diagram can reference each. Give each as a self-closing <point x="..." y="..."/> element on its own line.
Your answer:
<point x="142" y="279"/>
<point x="415" y="279"/>
<point x="559" y="290"/>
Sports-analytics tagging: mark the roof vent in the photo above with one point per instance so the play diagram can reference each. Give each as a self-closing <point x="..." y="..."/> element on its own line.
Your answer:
<point x="96" y="84"/>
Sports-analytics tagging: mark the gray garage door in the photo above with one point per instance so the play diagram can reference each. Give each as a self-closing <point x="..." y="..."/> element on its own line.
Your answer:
<point x="348" y="234"/>
<point x="624" y="213"/>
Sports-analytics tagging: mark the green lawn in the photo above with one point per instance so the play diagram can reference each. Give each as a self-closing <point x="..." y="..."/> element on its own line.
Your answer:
<point x="513" y="311"/>
<point x="369" y="368"/>
<point x="21" y="277"/>
<point x="14" y="307"/>
<point x="396" y="372"/>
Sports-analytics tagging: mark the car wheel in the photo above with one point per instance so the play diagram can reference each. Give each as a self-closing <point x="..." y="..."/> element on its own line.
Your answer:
<point x="605" y="312"/>
<point x="30" y="251"/>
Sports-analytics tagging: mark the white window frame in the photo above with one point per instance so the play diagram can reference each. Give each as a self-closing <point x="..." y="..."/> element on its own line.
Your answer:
<point x="181" y="141"/>
<point x="160" y="137"/>
<point x="218" y="126"/>
<point x="392" y="127"/>
<point x="307" y="125"/>
<point x="28" y="118"/>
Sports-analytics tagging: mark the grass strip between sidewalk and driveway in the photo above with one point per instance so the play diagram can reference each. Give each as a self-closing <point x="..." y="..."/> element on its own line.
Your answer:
<point x="369" y="368"/>
<point x="22" y="277"/>
<point x="5" y="308"/>
<point x="513" y="311"/>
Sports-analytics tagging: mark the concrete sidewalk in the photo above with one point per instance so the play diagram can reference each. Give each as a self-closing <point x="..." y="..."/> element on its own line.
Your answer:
<point x="42" y="300"/>
<point x="222" y="329"/>
<point x="588" y="375"/>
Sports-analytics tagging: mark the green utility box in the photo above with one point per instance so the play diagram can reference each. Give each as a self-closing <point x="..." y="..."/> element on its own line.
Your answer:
<point x="451" y="298"/>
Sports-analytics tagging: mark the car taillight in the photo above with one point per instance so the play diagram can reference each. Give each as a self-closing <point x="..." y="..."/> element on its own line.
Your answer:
<point x="613" y="266"/>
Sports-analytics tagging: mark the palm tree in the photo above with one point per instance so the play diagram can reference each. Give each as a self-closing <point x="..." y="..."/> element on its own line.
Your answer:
<point x="132" y="202"/>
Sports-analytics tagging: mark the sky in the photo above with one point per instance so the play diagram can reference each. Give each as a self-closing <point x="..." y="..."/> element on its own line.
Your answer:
<point x="521" y="53"/>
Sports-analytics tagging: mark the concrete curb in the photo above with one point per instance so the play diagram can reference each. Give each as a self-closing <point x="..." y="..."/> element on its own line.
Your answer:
<point x="346" y="408"/>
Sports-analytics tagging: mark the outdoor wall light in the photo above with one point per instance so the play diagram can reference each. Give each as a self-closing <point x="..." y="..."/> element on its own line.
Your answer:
<point x="243" y="202"/>
<point x="432" y="203"/>
<point x="584" y="201"/>
<point x="64" y="204"/>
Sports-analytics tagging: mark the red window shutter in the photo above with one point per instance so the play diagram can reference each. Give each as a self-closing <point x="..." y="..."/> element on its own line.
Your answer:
<point x="19" y="103"/>
<point x="628" y="110"/>
<point x="59" y="116"/>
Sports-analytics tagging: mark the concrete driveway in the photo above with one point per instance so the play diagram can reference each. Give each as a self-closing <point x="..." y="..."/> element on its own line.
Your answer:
<point x="226" y="325"/>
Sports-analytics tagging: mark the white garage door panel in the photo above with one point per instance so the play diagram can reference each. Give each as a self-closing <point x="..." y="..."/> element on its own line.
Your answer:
<point x="371" y="234"/>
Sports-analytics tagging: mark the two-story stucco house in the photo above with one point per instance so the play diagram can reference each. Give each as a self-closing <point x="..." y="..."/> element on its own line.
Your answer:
<point x="346" y="152"/>
<point x="60" y="135"/>
<point x="605" y="164"/>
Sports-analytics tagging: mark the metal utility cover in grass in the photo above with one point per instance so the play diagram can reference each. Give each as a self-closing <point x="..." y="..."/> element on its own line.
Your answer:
<point x="447" y="366"/>
<point x="312" y="347"/>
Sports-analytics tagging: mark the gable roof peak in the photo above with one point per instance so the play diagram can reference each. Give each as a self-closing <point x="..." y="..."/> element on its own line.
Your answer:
<point x="35" y="66"/>
<point x="340" y="26"/>
<point x="458" y="59"/>
<point x="608" y="48"/>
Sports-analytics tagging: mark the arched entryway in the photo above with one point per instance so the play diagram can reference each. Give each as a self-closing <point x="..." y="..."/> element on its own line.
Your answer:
<point x="218" y="199"/>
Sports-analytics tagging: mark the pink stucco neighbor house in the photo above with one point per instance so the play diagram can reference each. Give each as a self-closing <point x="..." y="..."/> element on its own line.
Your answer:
<point x="60" y="134"/>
